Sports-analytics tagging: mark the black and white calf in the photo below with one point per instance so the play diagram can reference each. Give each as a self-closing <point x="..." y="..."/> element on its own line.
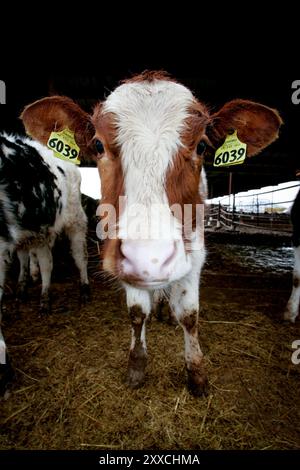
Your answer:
<point x="39" y="198"/>
<point x="292" y="309"/>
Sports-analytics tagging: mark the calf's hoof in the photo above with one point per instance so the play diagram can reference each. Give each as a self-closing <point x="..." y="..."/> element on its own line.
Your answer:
<point x="172" y="320"/>
<point x="158" y="312"/>
<point x="289" y="316"/>
<point x="136" y="368"/>
<point x="135" y="378"/>
<point x="45" y="306"/>
<point x="21" y="294"/>
<point x="198" y="383"/>
<point x="85" y="294"/>
<point x="7" y="376"/>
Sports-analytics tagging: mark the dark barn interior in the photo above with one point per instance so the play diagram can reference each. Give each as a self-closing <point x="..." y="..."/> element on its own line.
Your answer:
<point x="277" y="164"/>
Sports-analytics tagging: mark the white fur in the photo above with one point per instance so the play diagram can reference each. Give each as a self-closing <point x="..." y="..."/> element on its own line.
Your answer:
<point x="203" y="186"/>
<point x="7" y="151"/>
<point x="150" y="117"/>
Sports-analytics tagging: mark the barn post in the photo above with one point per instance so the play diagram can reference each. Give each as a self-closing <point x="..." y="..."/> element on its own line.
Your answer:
<point x="229" y="194"/>
<point x="219" y="216"/>
<point x="233" y="213"/>
<point x="257" y="211"/>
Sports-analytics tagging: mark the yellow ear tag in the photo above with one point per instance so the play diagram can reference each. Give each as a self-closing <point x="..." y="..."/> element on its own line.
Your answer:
<point x="64" y="146"/>
<point x="232" y="152"/>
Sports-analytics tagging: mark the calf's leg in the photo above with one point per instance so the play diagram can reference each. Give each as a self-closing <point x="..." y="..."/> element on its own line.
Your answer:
<point x="79" y="252"/>
<point x="292" y="308"/>
<point x="33" y="266"/>
<point x="184" y="302"/>
<point x="158" y="305"/>
<point x="6" y="371"/>
<point x="23" y="274"/>
<point x="139" y="307"/>
<point x="44" y="256"/>
<point x="4" y="261"/>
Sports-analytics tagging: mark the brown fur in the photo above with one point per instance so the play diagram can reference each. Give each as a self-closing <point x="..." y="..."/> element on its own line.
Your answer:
<point x="296" y="282"/>
<point x="189" y="321"/>
<point x="112" y="181"/>
<point x="110" y="168"/>
<point x="197" y="379"/>
<point x="55" y="114"/>
<point x="183" y="177"/>
<point x="137" y="318"/>
<point x="257" y="125"/>
<point x="110" y="255"/>
<point x="149" y="76"/>
<point x="106" y="130"/>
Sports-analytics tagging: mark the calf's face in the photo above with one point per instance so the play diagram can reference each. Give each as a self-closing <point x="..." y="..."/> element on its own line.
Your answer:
<point x="150" y="132"/>
<point x="149" y="137"/>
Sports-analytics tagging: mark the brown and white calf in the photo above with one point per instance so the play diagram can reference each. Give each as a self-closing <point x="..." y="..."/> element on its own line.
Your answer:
<point x="149" y="136"/>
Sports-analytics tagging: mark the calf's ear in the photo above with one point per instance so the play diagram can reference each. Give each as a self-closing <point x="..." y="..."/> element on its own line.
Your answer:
<point x="56" y="113"/>
<point x="257" y="125"/>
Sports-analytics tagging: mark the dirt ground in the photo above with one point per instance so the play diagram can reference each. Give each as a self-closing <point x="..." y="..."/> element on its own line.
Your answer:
<point x="69" y="391"/>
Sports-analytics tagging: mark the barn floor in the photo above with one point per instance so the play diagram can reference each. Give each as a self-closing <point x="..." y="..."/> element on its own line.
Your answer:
<point x="69" y="391"/>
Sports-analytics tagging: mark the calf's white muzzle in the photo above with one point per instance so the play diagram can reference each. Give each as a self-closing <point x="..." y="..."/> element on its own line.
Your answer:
<point x="153" y="263"/>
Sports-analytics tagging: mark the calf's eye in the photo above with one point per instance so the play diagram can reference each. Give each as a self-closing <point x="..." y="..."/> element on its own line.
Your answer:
<point x="201" y="147"/>
<point x="99" y="146"/>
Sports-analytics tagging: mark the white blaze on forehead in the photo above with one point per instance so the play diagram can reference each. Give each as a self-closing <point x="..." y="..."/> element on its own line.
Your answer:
<point x="150" y="117"/>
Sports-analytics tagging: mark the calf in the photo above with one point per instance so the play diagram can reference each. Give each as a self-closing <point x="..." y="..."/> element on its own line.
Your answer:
<point x="149" y="137"/>
<point x="292" y="308"/>
<point x="39" y="197"/>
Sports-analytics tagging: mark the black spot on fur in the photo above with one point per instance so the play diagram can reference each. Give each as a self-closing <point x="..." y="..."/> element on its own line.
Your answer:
<point x="4" y="232"/>
<point x="61" y="170"/>
<point x="29" y="184"/>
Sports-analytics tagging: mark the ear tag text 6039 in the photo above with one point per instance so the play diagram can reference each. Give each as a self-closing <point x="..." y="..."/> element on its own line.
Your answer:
<point x="64" y="146"/>
<point x="232" y="152"/>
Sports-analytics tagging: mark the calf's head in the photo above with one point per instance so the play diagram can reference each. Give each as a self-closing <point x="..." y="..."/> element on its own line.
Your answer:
<point x="149" y="137"/>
